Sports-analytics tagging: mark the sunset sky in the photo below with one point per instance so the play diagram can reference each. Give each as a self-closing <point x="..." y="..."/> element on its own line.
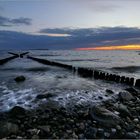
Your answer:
<point x="70" y="24"/>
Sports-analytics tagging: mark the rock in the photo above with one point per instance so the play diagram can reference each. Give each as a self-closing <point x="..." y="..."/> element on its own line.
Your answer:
<point x="130" y="127"/>
<point x="17" y="111"/>
<point x="20" y="79"/>
<point x="91" y="133"/>
<point x="45" y="96"/>
<point x="136" y="120"/>
<point x="100" y="133"/>
<point x="81" y="136"/>
<point x="118" y="127"/>
<point x="130" y="135"/>
<point x="109" y="91"/>
<point x="35" y="137"/>
<point x="7" y="128"/>
<point x="123" y="110"/>
<point x="45" y="128"/>
<point x="113" y="130"/>
<point x="33" y="131"/>
<point x="133" y="91"/>
<point x="106" y="134"/>
<point x="125" y="96"/>
<point x="104" y="116"/>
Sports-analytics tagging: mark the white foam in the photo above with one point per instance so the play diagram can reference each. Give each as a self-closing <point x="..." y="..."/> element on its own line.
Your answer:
<point x="10" y="98"/>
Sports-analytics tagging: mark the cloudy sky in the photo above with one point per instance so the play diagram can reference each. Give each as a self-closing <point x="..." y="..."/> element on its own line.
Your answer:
<point x="69" y="24"/>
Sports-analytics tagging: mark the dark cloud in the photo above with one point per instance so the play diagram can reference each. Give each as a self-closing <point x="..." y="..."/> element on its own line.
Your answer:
<point x="100" y="36"/>
<point x="91" y="37"/>
<point x="4" y="21"/>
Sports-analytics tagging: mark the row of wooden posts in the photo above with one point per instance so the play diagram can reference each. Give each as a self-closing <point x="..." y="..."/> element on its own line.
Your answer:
<point x="90" y="73"/>
<point x="84" y="72"/>
<point x="3" y="61"/>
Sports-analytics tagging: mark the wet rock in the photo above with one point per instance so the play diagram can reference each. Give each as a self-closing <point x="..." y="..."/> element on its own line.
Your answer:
<point x="136" y="120"/>
<point x="7" y="128"/>
<point x="45" y="96"/>
<point x="123" y="110"/>
<point x="91" y="133"/>
<point x="118" y="127"/>
<point x="33" y="131"/>
<point x="133" y="91"/>
<point x="45" y="128"/>
<point x="130" y="135"/>
<point x="125" y="96"/>
<point x="109" y="91"/>
<point x="17" y="111"/>
<point x="35" y="137"/>
<point x="100" y="133"/>
<point x="130" y="127"/>
<point x="81" y="136"/>
<point x="104" y="116"/>
<point x="20" y="79"/>
<point x="106" y="134"/>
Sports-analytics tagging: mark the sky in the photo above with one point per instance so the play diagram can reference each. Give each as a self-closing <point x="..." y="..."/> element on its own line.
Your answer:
<point x="69" y="24"/>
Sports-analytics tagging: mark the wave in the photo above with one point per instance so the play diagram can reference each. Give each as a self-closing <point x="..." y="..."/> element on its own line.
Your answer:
<point x="130" y="69"/>
<point x="76" y="60"/>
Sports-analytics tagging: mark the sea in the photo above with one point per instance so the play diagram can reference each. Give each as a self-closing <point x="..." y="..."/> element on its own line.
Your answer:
<point x="69" y="89"/>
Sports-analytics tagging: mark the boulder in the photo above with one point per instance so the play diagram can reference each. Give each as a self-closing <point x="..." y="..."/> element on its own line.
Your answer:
<point x="17" y="111"/>
<point x="20" y="79"/>
<point x="123" y="110"/>
<point x="7" y="128"/>
<point x="126" y="96"/>
<point x="104" y="116"/>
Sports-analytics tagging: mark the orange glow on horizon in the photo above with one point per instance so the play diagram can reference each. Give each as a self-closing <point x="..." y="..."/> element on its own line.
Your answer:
<point x="122" y="47"/>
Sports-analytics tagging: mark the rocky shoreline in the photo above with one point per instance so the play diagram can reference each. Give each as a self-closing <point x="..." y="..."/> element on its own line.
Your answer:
<point x="117" y="118"/>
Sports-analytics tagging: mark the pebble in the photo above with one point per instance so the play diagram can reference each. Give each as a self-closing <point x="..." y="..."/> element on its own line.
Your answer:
<point x="116" y="112"/>
<point x="113" y="130"/>
<point x="136" y="120"/>
<point x="81" y="136"/>
<point x="35" y="137"/>
<point x="130" y="135"/>
<point x="106" y="134"/>
<point x="118" y="127"/>
<point x="69" y="131"/>
<point x="100" y="132"/>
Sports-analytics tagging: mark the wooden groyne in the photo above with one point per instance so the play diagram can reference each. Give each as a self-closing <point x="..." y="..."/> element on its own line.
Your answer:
<point x="47" y="62"/>
<point x="3" y="61"/>
<point x="19" y="55"/>
<point x="22" y="54"/>
<point x="91" y="73"/>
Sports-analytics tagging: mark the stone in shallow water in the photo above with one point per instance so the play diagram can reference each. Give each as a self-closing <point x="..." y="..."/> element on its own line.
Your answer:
<point x="20" y="79"/>
<point x="45" y="96"/>
<point x="104" y="116"/>
<point x="109" y="91"/>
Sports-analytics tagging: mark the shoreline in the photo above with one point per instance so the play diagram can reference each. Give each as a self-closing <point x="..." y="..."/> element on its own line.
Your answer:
<point x="114" y="119"/>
